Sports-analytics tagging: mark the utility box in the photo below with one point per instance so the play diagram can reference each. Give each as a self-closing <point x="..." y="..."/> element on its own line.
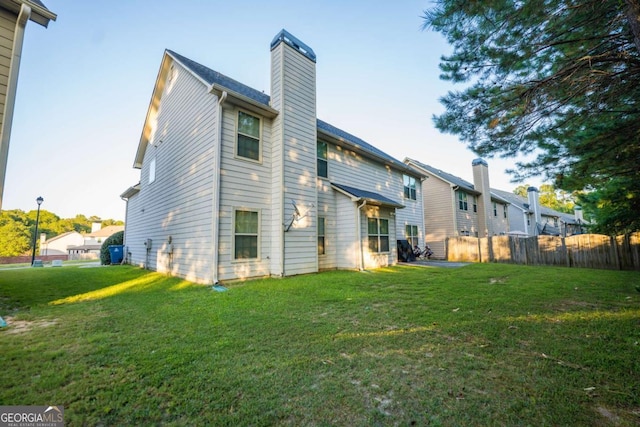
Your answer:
<point x="116" y="253"/>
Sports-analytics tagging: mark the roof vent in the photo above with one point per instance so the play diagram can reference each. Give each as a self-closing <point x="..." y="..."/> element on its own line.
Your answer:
<point x="288" y="38"/>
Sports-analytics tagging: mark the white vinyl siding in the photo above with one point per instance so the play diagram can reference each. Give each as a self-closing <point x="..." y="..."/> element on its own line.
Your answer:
<point x="293" y="93"/>
<point x="243" y="186"/>
<point x="178" y="204"/>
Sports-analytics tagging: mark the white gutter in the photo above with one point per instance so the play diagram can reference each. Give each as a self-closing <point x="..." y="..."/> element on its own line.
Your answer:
<point x="359" y="220"/>
<point x="12" y="86"/>
<point x="216" y="192"/>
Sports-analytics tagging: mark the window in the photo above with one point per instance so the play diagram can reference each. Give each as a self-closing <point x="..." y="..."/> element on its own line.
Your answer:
<point x="462" y="201"/>
<point x="475" y="204"/>
<point x="246" y="234"/>
<point x="378" y="231"/>
<point x="248" y="136"/>
<point x="409" y="187"/>
<point x="495" y="209"/>
<point x="411" y="234"/>
<point x="323" y="166"/>
<point x="504" y="210"/>
<point x="152" y="170"/>
<point x="321" y="245"/>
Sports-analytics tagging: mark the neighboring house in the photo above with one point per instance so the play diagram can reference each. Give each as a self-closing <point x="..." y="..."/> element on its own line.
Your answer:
<point x="235" y="183"/>
<point x="99" y="235"/>
<point x="528" y="217"/>
<point x="455" y="207"/>
<point x="60" y="244"/>
<point x="14" y="15"/>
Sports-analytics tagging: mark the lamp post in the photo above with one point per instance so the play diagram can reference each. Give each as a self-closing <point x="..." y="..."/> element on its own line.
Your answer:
<point x="39" y="200"/>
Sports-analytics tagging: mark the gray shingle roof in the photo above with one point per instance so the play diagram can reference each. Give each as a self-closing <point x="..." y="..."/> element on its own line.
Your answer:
<point x="213" y="77"/>
<point x="368" y="195"/>
<point x="361" y="144"/>
<point x="465" y="185"/>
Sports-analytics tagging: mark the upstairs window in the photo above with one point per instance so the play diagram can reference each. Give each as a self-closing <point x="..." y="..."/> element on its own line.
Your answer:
<point x="475" y="203"/>
<point x="409" y="187"/>
<point x="323" y="166"/>
<point x="495" y="209"/>
<point x="504" y="210"/>
<point x="152" y="170"/>
<point x="378" y="232"/>
<point x="463" y="203"/>
<point x="248" y="136"/>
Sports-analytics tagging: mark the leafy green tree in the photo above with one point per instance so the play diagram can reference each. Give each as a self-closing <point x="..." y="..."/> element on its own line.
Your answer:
<point x="615" y="207"/>
<point x="15" y="238"/>
<point x="551" y="197"/>
<point x="557" y="80"/>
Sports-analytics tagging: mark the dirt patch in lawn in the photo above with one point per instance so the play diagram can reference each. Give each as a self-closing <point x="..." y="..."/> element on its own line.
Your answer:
<point x="21" y="326"/>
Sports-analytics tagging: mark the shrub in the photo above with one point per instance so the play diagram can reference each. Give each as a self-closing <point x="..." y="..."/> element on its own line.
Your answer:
<point x="114" y="239"/>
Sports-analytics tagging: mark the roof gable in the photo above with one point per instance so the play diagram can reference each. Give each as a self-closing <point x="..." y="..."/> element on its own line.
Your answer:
<point x="451" y="179"/>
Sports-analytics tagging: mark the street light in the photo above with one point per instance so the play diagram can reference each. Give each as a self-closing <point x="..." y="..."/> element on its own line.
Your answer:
<point x="39" y="201"/>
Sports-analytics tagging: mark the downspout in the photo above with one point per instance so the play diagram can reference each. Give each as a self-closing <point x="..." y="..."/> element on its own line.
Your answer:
<point x="12" y="86"/>
<point x="359" y="218"/>
<point x="215" y="217"/>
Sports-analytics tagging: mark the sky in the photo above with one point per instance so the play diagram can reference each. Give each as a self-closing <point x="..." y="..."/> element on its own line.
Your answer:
<point x="86" y="81"/>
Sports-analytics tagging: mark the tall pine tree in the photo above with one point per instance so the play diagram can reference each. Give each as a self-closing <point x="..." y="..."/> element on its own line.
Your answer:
<point x="556" y="79"/>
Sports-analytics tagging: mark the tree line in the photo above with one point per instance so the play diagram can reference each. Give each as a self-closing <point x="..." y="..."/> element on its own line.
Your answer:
<point x="17" y="228"/>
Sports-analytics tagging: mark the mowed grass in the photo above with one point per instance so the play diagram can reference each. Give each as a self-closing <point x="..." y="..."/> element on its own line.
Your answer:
<point x="485" y="344"/>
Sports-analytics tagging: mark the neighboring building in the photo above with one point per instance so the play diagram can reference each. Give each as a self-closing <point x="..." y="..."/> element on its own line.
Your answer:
<point x="528" y="217"/>
<point x="99" y="235"/>
<point x="455" y="207"/>
<point x="60" y="244"/>
<point x="14" y="15"/>
<point x="235" y="183"/>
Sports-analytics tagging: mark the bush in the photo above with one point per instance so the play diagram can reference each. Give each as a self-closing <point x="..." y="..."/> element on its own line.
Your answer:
<point x="114" y="239"/>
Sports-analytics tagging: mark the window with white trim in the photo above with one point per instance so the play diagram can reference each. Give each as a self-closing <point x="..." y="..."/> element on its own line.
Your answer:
<point x="321" y="236"/>
<point x="411" y="234"/>
<point x="495" y="209"/>
<point x="323" y="164"/>
<point x="504" y="210"/>
<point x="152" y="170"/>
<point x="248" y="145"/>
<point x="378" y="232"/>
<point x="409" y="187"/>
<point x="246" y="233"/>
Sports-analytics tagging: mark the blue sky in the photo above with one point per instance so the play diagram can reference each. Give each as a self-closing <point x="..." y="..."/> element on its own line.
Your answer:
<point x="86" y="81"/>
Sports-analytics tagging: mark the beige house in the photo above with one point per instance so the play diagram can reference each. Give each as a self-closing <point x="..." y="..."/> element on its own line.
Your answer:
<point x="455" y="207"/>
<point x="235" y="183"/>
<point x="14" y="15"/>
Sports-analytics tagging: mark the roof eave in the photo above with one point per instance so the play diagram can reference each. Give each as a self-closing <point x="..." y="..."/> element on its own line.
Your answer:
<point x="338" y="140"/>
<point x="244" y="101"/>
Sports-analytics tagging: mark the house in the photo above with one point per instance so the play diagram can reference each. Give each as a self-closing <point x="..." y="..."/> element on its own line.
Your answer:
<point x="455" y="207"/>
<point x="59" y="244"/>
<point x="80" y="246"/>
<point x="527" y="217"/>
<point x="14" y="15"/>
<point x="235" y="183"/>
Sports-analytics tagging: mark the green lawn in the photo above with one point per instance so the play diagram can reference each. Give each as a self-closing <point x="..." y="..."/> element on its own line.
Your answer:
<point x="486" y="344"/>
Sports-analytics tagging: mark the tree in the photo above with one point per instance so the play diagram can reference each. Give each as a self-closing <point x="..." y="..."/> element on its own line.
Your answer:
<point x="549" y="196"/>
<point x="614" y="207"/>
<point x="558" y="80"/>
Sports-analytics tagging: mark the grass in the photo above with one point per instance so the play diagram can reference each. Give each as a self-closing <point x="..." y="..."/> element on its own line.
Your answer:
<point x="486" y="344"/>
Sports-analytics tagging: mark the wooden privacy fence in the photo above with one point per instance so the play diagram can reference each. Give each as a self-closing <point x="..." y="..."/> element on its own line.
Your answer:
<point x="583" y="250"/>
